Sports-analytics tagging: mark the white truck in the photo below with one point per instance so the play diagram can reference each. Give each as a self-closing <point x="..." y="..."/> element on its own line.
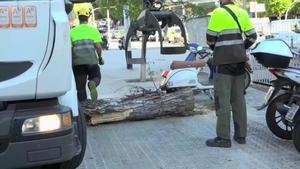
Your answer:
<point x="40" y="120"/>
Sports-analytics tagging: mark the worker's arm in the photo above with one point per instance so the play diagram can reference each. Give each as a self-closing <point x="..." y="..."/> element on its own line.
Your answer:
<point x="251" y="35"/>
<point x="97" y="43"/>
<point x="98" y="49"/>
<point x="211" y="39"/>
<point x="213" y="29"/>
<point x="99" y="52"/>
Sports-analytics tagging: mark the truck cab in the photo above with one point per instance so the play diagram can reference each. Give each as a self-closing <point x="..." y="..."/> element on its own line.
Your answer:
<point x="40" y="120"/>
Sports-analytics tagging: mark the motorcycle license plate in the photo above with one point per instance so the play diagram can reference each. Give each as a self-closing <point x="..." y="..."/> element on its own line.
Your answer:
<point x="269" y="94"/>
<point x="292" y="112"/>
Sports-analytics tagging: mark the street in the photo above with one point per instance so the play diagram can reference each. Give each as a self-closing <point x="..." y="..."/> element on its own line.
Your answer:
<point x="177" y="142"/>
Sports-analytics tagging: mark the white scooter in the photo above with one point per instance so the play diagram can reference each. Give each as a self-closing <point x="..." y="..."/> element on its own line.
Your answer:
<point x="191" y="72"/>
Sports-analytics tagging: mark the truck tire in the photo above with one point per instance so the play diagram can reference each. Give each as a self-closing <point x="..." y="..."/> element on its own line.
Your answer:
<point x="296" y="136"/>
<point x="274" y="119"/>
<point x="75" y="161"/>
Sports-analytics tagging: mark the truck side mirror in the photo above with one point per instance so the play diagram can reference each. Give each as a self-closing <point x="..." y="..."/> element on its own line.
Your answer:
<point x="68" y="6"/>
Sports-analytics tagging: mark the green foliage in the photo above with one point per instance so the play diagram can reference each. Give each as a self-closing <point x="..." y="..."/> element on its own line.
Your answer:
<point x="200" y="9"/>
<point x="295" y="10"/>
<point x="116" y="8"/>
<point x="239" y="3"/>
<point x="273" y="7"/>
<point x="278" y="7"/>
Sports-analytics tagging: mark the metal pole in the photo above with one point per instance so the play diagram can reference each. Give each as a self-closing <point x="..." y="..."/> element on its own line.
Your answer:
<point x="244" y="4"/>
<point x="126" y="18"/>
<point x="143" y="77"/>
<point x="129" y="56"/>
<point x="93" y="16"/>
<point x="183" y="10"/>
<point x="290" y="7"/>
<point x="108" y="26"/>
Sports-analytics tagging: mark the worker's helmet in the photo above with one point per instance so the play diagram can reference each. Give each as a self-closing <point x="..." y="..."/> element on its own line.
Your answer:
<point x="84" y="12"/>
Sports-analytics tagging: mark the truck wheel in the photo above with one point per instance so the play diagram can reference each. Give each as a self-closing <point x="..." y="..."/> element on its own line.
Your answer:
<point x="296" y="136"/>
<point x="75" y="161"/>
<point x="276" y="121"/>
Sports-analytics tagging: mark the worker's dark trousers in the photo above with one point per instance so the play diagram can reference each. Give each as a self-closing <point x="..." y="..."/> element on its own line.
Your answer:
<point x="82" y="73"/>
<point x="229" y="97"/>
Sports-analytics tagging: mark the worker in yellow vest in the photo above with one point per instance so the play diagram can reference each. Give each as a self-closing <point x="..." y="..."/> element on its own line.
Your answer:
<point x="87" y="54"/>
<point x="230" y="32"/>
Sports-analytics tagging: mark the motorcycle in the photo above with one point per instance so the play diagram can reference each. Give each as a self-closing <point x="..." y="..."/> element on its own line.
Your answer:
<point x="190" y="73"/>
<point x="283" y="97"/>
<point x="121" y="43"/>
<point x="105" y="45"/>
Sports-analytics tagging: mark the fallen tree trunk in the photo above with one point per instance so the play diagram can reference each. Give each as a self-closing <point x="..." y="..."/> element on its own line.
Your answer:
<point x="140" y="106"/>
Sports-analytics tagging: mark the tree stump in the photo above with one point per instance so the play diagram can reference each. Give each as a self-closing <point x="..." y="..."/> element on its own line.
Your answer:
<point x="140" y="106"/>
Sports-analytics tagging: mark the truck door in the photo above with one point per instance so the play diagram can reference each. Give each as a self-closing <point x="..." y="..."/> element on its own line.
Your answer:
<point x="24" y="41"/>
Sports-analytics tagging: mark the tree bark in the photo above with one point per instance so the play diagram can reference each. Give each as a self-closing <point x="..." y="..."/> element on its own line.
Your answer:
<point x="140" y="107"/>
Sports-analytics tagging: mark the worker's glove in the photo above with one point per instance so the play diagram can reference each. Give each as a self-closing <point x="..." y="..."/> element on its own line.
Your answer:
<point x="101" y="61"/>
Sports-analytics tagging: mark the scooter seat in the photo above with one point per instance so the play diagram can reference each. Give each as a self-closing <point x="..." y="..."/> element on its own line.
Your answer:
<point x="187" y="64"/>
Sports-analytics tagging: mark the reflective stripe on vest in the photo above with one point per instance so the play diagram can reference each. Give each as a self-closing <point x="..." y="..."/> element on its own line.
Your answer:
<point x="225" y="37"/>
<point x="229" y="43"/>
<point x="83" y="44"/>
<point x="84" y="52"/>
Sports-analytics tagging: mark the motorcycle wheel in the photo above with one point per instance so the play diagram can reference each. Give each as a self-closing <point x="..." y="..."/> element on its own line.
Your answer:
<point x="296" y="136"/>
<point x="247" y="80"/>
<point x="276" y="121"/>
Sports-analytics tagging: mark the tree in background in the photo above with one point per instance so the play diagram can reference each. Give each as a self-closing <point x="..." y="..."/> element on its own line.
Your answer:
<point x="135" y="8"/>
<point x="273" y="7"/>
<point x="116" y="8"/>
<point x="295" y="11"/>
<point x="278" y="7"/>
<point x="199" y="9"/>
<point x="239" y="3"/>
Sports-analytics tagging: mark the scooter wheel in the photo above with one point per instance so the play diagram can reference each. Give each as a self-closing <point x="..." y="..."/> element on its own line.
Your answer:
<point x="276" y="122"/>
<point x="296" y="136"/>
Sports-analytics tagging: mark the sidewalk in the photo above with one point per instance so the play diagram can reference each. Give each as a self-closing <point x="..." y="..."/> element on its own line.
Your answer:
<point x="115" y="75"/>
<point x="178" y="142"/>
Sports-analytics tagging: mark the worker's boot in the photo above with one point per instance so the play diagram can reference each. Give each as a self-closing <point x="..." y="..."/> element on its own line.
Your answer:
<point x="93" y="89"/>
<point x="218" y="142"/>
<point x="240" y="140"/>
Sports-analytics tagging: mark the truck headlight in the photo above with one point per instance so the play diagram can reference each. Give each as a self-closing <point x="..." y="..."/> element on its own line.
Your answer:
<point x="47" y="123"/>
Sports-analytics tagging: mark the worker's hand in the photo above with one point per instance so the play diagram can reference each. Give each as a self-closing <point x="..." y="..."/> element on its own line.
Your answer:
<point x="101" y="61"/>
